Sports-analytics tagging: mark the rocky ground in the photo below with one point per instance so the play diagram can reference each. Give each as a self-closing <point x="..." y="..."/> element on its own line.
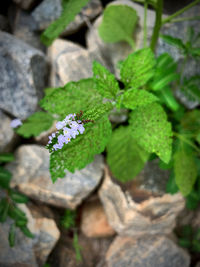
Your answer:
<point x="118" y="225"/>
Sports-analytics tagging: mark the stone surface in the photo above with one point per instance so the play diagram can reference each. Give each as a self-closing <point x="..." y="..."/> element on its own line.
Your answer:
<point x="7" y="134"/>
<point x="43" y="138"/>
<point x="147" y="252"/>
<point x="4" y="25"/>
<point x="28" y="252"/>
<point x="22" y="76"/>
<point x="155" y="215"/>
<point x="49" y="10"/>
<point x="94" y="221"/>
<point x="112" y="53"/>
<point x="189" y="217"/>
<point x="31" y="176"/>
<point x="24" y="26"/>
<point x="179" y="30"/>
<point x="25" y="4"/>
<point x="70" y="62"/>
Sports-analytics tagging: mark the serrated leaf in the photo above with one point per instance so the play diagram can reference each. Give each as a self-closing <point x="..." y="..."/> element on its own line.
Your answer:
<point x="80" y="151"/>
<point x="152" y="131"/>
<point x="35" y="124"/>
<point x="138" y="68"/>
<point x="6" y="157"/>
<point x="124" y="156"/>
<point x="72" y="98"/>
<point x="70" y="9"/>
<point x="17" y="197"/>
<point x="190" y="88"/>
<point x="185" y="169"/>
<point x="118" y="24"/>
<point x="5" y="177"/>
<point x="106" y="84"/>
<point x="134" y="98"/>
<point x="11" y="236"/>
<point x="173" y="41"/>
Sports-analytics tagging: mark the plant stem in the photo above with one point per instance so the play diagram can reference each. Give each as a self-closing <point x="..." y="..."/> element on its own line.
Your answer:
<point x="145" y="24"/>
<point x="157" y="26"/>
<point x="179" y="12"/>
<point x="185" y="18"/>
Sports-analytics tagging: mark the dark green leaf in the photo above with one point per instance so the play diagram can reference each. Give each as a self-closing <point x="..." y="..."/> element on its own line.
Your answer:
<point x="173" y="41"/>
<point x="196" y="245"/>
<point x="171" y="186"/>
<point x="190" y="88"/>
<point x="6" y="157"/>
<point x="4" y="212"/>
<point x="77" y="247"/>
<point x="26" y="231"/>
<point x="18" y="198"/>
<point x="68" y="220"/>
<point x="5" y="177"/>
<point x="185" y="243"/>
<point x="16" y="214"/>
<point x="11" y="236"/>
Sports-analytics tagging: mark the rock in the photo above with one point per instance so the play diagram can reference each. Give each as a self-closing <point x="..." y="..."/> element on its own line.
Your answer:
<point x="49" y="10"/>
<point x="7" y="135"/>
<point x="43" y="138"/>
<point x="118" y="116"/>
<point x="4" y="24"/>
<point x="179" y="30"/>
<point x="22" y="75"/>
<point x="155" y="215"/>
<point x="28" y="252"/>
<point x="23" y="27"/>
<point x="112" y="53"/>
<point x="70" y="62"/>
<point x="25" y="4"/>
<point x="31" y="176"/>
<point x="146" y="252"/>
<point x="189" y="217"/>
<point x="94" y="221"/>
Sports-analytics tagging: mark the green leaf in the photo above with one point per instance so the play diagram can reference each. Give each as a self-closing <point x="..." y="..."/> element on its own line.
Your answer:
<point x="138" y="68"/>
<point x="173" y="41"/>
<point x="166" y="97"/>
<point x="4" y="212"/>
<point x="20" y="223"/>
<point x="77" y="247"/>
<point x="26" y="231"/>
<point x="17" y="197"/>
<point x="106" y="83"/>
<point x="72" y="98"/>
<point x="191" y="122"/>
<point x="152" y="131"/>
<point x="68" y="220"/>
<point x="124" y="156"/>
<point x="185" y="243"/>
<point x="6" y="157"/>
<point x="80" y="151"/>
<point x="35" y="124"/>
<point x="134" y="98"/>
<point x="118" y="24"/>
<point x="16" y="214"/>
<point x="190" y="88"/>
<point x="70" y="9"/>
<point x="171" y="186"/>
<point x="196" y="245"/>
<point x="195" y="52"/>
<point x="11" y="236"/>
<point x="5" y="177"/>
<point x="185" y="169"/>
<point x="192" y="200"/>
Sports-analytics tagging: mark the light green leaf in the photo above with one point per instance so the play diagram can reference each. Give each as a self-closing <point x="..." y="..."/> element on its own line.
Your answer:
<point x="125" y="157"/>
<point x="173" y="41"/>
<point x="138" y="68"/>
<point x="72" y="98"/>
<point x="80" y="151"/>
<point x="70" y="9"/>
<point x="35" y="124"/>
<point x="152" y="131"/>
<point x="11" y="236"/>
<point x="185" y="169"/>
<point x="166" y="97"/>
<point x="118" y="24"/>
<point x="134" y="98"/>
<point x="106" y="84"/>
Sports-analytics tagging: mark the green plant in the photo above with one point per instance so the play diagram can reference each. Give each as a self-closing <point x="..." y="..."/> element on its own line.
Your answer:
<point x="189" y="238"/>
<point x="9" y="202"/>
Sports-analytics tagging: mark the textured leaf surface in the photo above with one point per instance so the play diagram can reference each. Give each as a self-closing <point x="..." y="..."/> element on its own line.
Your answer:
<point x="138" y="68"/>
<point x="152" y="131"/>
<point x="106" y="83"/>
<point x="173" y="41"/>
<point x="134" y="98"/>
<point x="70" y="9"/>
<point x="72" y="98"/>
<point x="80" y="151"/>
<point x="191" y="122"/>
<point x="125" y="157"/>
<point x="185" y="170"/>
<point x="191" y="88"/>
<point x="35" y="124"/>
<point x="118" y="24"/>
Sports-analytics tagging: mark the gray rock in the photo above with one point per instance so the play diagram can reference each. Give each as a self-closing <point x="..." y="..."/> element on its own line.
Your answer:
<point x="153" y="215"/>
<point x="49" y="10"/>
<point x="22" y="76"/>
<point x="4" y="24"/>
<point x="146" y="252"/>
<point x="70" y="62"/>
<point x="179" y="30"/>
<point x="23" y="27"/>
<point x="25" y="4"/>
<point x="31" y="176"/>
<point x="7" y="134"/>
<point x="28" y="252"/>
<point x="112" y="53"/>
